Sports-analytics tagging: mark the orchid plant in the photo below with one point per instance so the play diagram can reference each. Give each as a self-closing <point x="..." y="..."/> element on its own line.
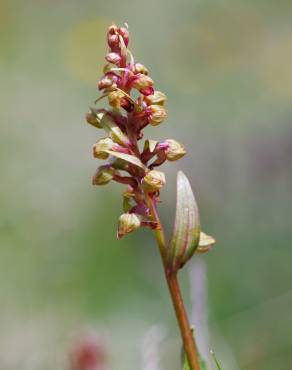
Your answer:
<point x="133" y="104"/>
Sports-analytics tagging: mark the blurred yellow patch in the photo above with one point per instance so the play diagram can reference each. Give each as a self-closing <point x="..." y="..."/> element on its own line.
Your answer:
<point x="220" y="42"/>
<point x="84" y="49"/>
<point x="275" y="61"/>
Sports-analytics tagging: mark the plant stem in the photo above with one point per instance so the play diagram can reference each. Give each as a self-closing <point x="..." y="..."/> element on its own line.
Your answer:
<point x="174" y="289"/>
<point x="184" y="325"/>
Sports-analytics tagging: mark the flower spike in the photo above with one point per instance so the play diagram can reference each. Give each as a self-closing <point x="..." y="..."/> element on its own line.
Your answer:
<point x="124" y="121"/>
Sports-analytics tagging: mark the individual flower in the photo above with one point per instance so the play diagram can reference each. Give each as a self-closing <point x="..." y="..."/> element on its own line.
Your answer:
<point x="154" y="180"/>
<point x="101" y="147"/>
<point x="115" y="99"/>
<point x="139" y="68"/>
<point x="157" y="98"/>
<point x="156" y="114"/>
<point x="128" y="222"/>
<point x="141" y="81"/>
<point x="173" y="150"/>
<point x="109" y="81"/>
<point x="103" y="175"/>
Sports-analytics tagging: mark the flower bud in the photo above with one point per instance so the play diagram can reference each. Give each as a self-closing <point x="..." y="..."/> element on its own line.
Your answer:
<point x="100" y="148"/>
<point x="154" y="180"/>
<point x="141" y="81"/>
<point x="113" y="58"/>
<point x="114" y="99"/>
<point x="139" y="68"/>
<point x="103" y="175"/>
<point x="175" y="150"/>
<point x="128" y="222"/>
<point x="125" y="34"/>
<point x="113" y="37"/>
<point x="157" y="114"/>
<point x="113" y="41"/>
<point x="157" y="98"/>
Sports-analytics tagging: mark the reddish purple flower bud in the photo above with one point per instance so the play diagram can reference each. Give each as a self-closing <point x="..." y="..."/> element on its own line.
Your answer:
<point x="113" y="37"/>
<point x="113" y="41"/>
<point x="125" y="34"/>
<point x="113" y="58"/>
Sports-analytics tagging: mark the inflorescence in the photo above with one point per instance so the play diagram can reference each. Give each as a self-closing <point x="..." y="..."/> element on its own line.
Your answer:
<point x="134" y="103"/>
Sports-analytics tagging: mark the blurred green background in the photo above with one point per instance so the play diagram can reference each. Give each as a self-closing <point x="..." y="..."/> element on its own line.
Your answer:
<point x="226" y="67"/>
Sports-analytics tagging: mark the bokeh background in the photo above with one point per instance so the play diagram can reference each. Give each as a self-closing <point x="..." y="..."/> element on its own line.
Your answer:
<point x="226" y="67"/>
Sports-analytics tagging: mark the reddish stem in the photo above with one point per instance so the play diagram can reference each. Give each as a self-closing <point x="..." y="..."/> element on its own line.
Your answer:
<point x="174" y="289"/>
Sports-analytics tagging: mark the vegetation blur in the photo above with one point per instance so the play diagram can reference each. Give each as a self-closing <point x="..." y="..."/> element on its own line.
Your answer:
<point x="226" y="69"/>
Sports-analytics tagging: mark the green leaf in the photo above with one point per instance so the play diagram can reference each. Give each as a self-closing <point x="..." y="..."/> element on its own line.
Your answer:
<point x="186" y="365"/>
<point x="216" y="361"/>
<point x="128" y="158"/>
<point x="203" y="365"/>
<point x="186" y="234"/>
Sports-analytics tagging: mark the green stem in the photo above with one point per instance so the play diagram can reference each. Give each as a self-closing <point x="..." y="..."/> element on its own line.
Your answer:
<point x="175" y="293"/>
